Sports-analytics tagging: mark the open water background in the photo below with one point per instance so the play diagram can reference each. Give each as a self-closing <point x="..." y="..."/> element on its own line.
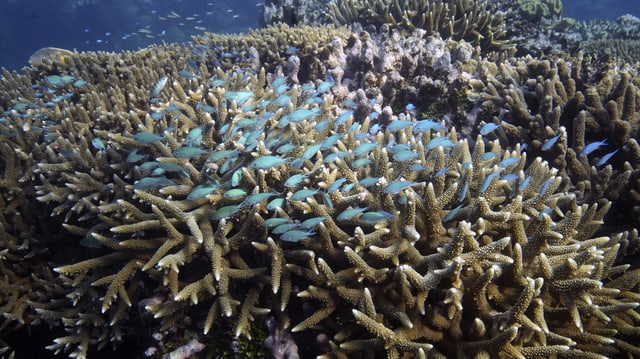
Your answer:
<point x="114" y="25"/>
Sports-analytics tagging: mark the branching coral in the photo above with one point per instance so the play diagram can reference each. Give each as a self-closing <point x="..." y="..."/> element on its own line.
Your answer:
<point x="565" y="109"/>
<point x="537" y="9"/>
<point x="205" y="184"/>
<point x="459" y="19"/>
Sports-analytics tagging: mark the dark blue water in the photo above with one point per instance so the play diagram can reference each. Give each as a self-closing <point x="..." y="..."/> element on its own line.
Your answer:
<point x="113" y="25"/>
<point x="602" y="9"/>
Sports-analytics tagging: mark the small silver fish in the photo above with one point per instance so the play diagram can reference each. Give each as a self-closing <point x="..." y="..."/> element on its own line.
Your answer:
<point x="235" y="193"/>
<point x="276" y="203"/>
<point x="310" y="151"/>
<point x="236" y="177"/>
<point x="405" y="156"/>
<point x="189" y="152"/>
<point x="226" y="211"/>
<point x="439" y="141"/>
<point x="488" y="156"/>
<point x="398" y="125"/>
<point x="488" y="128"/>
<point x="361" y="162"/>
<point x="266" y="162"/>
<point x="336" y="184"/>
<point x="295" y="180"/>
<point x="296" y="235"/>
<point x="396" y="186"/>
<point x="281" y="228"/>
<point x="426" y="125"/>
<point x="187" y="74"/>
<point x="153" y="182"/>
<point x="508" y="162"/>
<point x="312" y="222"/>
<point x="240" y="96"/>
<point x="364" y="148"/>
<point x="257" y="198"/>
<point x="604" y="159"/>
<point x="350" y="213"/>
<point x="98" y="144"/>
<point x="375" y="217"/>
<point x="159" y="85"/>
<point x="147" y="137"/>
<point x="275" y="222"/>
<point x="487" y="181"/>
<point x="202" y="190"/>
<point x="303" y="194"/>
<point x="550" y="142"/>
<point x="592" y="147"/>
<point x="343" y="117"/>
<point x="194" y="137"/>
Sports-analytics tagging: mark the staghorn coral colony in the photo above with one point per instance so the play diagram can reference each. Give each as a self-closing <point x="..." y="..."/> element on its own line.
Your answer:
<point x="376" y="194"/>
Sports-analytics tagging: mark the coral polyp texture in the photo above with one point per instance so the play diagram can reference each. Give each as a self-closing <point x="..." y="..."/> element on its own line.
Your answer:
<point x="261" y="186"/>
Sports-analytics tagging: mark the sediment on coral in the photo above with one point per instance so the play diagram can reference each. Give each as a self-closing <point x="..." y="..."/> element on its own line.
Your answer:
<point x="195" y="184"/>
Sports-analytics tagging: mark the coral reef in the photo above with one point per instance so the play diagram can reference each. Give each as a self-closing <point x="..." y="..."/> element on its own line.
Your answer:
<point x="467" y="20"/>
<point x="478" y="22"/>
<point x="602" y="38"/>
<point x="293" y="12"/>
<point x="537" y="9"/>
<point x="384" y="194"/>
<point x="563" y="109"/>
